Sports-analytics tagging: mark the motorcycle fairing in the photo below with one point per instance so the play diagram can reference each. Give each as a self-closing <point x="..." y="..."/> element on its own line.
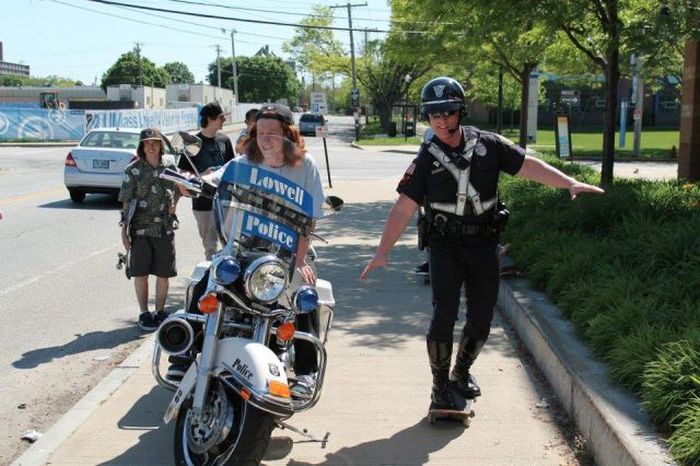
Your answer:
<point x="281" y="188"/>
<point x="242" y="365"/>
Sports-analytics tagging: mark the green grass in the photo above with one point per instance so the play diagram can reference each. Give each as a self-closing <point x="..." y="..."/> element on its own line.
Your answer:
<point x="398" y="140"/>
<point x="624" y="267"/>
<point x="373" y="128"/>
<point x="655" y="144"/>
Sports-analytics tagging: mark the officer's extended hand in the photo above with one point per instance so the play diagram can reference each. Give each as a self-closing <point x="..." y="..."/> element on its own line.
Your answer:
<point x="578" y="187"/>
<point x="379" y="260"/>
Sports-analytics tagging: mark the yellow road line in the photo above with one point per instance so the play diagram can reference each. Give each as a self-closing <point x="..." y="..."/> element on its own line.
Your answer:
<point x="26" y="197"/>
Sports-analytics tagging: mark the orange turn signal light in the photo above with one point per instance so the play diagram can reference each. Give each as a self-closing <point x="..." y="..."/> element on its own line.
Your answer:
<point x="245" y="393"/>
<point x="208" y="303"/>
<point x="279" y="389"/>
<point x="286" y="331"/>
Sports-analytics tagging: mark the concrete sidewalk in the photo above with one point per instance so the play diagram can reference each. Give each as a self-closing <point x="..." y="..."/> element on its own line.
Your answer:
<point x="378" y="381"/>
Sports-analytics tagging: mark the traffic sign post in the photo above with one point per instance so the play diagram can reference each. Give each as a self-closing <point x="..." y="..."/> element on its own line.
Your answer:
<point x="318" y="103"/>
<point x="322" y="132"/>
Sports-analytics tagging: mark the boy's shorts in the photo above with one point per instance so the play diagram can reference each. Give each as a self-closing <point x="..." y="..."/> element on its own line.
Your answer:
<point x="153" y="256"/>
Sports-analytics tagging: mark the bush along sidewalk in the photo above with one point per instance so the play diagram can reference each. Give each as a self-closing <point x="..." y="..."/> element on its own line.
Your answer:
<point x="625" y="268"/>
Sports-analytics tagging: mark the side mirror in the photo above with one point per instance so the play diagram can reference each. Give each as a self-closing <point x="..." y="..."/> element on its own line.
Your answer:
<point x="184" y="141"/>
<point x="334" y="202"/>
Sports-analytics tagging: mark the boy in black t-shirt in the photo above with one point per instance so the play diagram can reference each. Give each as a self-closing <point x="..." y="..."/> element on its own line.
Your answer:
<point x="216" y="150"/>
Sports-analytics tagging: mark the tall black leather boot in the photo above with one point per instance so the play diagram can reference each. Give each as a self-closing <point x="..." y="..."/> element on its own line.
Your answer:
<point x="467" y="352"/>
<point x="440" y="355"/>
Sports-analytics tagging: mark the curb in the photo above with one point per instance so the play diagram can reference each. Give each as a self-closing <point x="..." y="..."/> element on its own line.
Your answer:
<point x="42" y="449"/>
<point x="611" y="420"/>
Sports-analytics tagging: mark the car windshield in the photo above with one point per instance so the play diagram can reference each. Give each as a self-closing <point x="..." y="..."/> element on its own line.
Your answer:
<point x="111" y="139"/>
<point x="309" y="117"/>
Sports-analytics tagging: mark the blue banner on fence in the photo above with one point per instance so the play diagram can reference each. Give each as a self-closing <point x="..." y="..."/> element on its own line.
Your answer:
<point x="167" y="120"/>
<point x="37" y="124"/>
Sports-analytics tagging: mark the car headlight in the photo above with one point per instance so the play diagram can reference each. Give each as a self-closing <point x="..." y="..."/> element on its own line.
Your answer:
<point x="265" y="279"/>
<point x="226" y="270"/>
<point x="305" y="299"/>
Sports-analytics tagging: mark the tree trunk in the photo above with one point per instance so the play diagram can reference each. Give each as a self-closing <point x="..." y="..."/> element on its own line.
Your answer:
<point x="612" y="77"/>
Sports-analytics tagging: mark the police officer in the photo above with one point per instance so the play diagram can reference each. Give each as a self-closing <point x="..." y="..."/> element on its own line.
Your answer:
<point x="455" y="178"/>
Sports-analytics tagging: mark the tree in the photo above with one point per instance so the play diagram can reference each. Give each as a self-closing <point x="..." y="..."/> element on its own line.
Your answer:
<point x="178" y="72"/>
<point x="384" y="78"/>
<point x="508" y="35"/>
<point x="260" y="79"/>
<point x="133" y="69"/>
<point x="602" y="30"/>
<point x="311" y="47"/>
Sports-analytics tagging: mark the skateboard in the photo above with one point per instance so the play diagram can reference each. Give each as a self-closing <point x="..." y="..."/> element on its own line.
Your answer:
<point x="463" y="414"/>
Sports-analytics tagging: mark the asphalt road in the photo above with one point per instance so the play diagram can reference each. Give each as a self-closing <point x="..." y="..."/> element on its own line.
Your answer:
<point x="69" y="315"/>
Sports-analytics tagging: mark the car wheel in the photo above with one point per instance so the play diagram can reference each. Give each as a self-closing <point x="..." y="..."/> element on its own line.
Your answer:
<point x="76" y="196"/>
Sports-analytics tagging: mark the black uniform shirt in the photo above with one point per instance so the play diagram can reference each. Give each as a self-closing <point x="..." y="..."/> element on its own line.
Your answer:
<point x="214" y="152"/>
<point x="426" y="180"/>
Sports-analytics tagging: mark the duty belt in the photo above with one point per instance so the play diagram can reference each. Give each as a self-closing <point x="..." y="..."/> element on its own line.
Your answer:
<point x="455" y="230"/>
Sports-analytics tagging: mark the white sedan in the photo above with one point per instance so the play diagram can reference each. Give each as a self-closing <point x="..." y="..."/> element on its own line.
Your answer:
<point x="97" y="163"/>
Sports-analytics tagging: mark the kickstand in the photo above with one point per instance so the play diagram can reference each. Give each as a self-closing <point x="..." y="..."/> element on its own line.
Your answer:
<point x="305" y="433"/>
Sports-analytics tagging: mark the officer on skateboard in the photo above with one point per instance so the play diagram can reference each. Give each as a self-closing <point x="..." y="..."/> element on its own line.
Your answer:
<point x="455" y="178"/>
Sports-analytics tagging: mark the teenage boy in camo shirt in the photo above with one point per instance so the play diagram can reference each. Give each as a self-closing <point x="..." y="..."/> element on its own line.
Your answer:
<point x="150" y="237"/>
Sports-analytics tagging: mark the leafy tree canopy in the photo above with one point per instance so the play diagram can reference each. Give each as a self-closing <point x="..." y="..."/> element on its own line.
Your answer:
<point x="128" y="69"/>
<point x="260" y="79"/>
<point x="179" y="72"/>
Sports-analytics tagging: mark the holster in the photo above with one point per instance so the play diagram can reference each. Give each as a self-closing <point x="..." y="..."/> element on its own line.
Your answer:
<point x="423" y="230"/>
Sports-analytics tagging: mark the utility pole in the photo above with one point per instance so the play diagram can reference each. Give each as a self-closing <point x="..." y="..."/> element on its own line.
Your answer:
<point x="234" y="65"/>
<point x="218" y="65"/>
<point x="138" y="57"/>
<point x="355" y="94"/>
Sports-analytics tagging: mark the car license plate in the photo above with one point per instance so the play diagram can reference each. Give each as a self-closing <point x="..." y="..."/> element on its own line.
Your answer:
<point x="100" y="164"/>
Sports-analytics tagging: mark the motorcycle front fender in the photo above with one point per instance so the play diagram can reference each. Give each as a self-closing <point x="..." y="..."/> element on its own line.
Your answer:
<point x="249" y="368"/>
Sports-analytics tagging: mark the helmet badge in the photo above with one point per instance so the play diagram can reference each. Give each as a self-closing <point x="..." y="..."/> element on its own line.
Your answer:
<point x="439" y="90"/>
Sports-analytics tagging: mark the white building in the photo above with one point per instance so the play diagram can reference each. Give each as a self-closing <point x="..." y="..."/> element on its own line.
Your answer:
<point x="144" y="96"/>
<point x="190" y="95"/>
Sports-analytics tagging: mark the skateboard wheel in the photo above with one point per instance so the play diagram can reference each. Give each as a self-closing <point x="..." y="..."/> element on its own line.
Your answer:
<point x="465" y="422"/>
<point x="472" y="414"/>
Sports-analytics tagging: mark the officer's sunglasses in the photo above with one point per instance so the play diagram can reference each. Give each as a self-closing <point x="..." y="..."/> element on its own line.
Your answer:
<point x="442" y="114"/>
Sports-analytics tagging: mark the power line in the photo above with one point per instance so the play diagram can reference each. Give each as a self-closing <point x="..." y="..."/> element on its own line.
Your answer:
<point x="243" y="20"/>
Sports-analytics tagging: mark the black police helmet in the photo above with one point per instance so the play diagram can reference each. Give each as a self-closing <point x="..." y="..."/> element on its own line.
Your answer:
<point x="441" y="94"/>
<point x="276" y="111"/>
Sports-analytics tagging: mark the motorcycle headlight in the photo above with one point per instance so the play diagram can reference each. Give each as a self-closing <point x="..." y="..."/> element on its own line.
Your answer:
<point x="226" y="270"/>
<point x="265" y="279"/>
<point x="305" y="299"/>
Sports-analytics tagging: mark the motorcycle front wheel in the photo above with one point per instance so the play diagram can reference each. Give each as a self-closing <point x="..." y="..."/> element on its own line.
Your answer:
<point x="229" y="432"/>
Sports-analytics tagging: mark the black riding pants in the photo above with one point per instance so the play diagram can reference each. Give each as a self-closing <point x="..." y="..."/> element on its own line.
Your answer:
<point x="474" y="265"/>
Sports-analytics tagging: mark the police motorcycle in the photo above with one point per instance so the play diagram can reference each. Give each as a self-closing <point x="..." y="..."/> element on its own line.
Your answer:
<point x="240" y="333"/>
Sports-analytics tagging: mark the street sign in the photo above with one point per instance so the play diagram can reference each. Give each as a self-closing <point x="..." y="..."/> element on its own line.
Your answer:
<point x="569" y="97"/>
<point x="318" y="102"/>
<point x="321" y="131"/>
<point x="354" y="98"/>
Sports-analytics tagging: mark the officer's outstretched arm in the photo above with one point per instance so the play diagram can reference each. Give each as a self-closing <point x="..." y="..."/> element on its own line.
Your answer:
<point x="536" y="170"/>
<point x="400" y="215"/>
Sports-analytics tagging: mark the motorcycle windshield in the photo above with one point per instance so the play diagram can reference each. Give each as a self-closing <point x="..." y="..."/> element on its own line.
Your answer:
<point x="259" y="209"/>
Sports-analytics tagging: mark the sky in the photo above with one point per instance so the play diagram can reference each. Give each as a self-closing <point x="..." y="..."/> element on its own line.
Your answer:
<point x="81" y="39"/>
